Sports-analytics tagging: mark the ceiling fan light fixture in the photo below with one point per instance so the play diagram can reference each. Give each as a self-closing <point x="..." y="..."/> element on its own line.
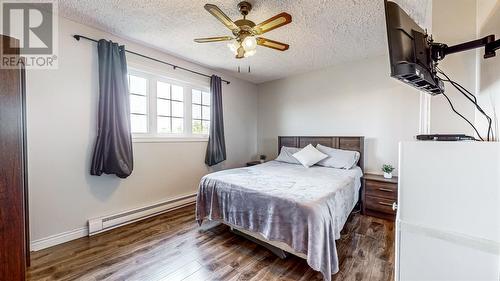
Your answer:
<point x="234" y="46"/>
<point x="249" y="43"/>
<point x="250" y="53"/>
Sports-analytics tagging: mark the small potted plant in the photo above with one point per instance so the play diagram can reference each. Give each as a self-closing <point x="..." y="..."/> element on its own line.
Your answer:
<point x="387" y="169"/>
<point x="262" y="158"/>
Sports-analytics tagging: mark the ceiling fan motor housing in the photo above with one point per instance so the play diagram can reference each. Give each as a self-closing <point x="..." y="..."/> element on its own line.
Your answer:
<point x="245" y="27"/>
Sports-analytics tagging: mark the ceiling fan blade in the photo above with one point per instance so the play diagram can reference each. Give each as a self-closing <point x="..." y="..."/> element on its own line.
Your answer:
<point x="273" y="23"/>
<point x="272" y="44"/>
<point x="219" y="14"/>
<point x="213" y="39"/>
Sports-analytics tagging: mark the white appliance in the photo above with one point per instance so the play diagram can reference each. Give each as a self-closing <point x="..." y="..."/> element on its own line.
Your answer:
<point x="448" y="219"/>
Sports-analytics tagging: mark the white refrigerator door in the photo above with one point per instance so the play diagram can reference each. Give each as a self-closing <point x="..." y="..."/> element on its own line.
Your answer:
<point x="448" y="221"/>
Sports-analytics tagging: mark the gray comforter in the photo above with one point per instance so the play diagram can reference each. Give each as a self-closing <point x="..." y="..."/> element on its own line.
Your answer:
<point x="306" y="208"/>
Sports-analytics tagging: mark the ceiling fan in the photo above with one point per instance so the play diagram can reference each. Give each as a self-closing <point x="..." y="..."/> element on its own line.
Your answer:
<point x="245" y="32"/>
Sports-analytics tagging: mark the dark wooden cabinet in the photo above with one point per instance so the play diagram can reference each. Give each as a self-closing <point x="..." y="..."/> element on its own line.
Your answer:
<point x="379" y="196"/>
<point x="14" y="250"/>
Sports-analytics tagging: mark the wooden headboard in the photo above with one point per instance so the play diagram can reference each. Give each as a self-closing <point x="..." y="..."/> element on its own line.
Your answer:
<point x="347" y="143"/>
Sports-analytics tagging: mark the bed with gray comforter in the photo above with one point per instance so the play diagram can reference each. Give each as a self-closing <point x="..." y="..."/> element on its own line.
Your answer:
<point x="306" y="208"/>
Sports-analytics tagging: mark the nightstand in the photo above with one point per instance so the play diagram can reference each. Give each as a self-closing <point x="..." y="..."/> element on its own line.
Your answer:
<point x="380" y="196"/>
<point x="253" y="163"/>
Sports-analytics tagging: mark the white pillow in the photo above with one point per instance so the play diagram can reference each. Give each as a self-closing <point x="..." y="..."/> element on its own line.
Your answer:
<point x="286" y="155"/>
<point x="338" y="158"/>
<point x="309" y="156"/>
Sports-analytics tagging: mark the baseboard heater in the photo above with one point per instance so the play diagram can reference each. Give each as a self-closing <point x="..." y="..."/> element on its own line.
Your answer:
<point x="105" y="223"/>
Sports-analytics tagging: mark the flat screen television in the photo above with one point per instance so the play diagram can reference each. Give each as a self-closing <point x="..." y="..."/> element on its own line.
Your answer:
<point x="409" y="51"/>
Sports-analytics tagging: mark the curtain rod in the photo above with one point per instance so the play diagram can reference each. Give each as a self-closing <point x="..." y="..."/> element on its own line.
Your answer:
<point x="78" y="37"/>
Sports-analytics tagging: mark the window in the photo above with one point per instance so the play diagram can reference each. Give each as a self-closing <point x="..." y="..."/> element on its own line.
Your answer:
<point x="170" y="108"/>
<point x="163" y="108"/>
<point x="201" y="112"/>
<point x="138" y="88"/>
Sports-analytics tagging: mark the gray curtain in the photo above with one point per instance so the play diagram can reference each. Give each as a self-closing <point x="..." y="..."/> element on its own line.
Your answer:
<point x="113" y="147"/>
<point x="216" y="149"/>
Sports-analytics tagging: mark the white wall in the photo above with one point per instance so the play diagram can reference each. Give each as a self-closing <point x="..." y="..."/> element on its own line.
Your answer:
<point x="62" y="113"/>
<point x="458" y="21"/>
<point x="489" y="69"/>
<point x="357" y="98"/>
<point x="454" y="22"/>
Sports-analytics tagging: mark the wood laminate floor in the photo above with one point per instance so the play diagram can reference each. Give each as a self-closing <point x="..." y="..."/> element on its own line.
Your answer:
<point x="173" y="247"/>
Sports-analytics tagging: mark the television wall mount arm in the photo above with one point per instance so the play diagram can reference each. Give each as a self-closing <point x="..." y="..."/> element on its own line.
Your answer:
<point x="439" y="51"/>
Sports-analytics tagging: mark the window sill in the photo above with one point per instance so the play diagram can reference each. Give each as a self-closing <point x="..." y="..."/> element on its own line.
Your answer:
<point x="160" y="139"/>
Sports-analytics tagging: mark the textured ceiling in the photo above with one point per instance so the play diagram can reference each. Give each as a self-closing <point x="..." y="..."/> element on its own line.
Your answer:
<point x="323" y="32"/>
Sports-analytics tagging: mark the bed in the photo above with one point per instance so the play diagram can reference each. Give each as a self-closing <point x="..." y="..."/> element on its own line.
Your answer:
<point x="295" y="209"/>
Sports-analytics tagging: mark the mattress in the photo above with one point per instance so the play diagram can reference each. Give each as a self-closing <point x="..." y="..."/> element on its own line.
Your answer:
<point x="305" y="208"/>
